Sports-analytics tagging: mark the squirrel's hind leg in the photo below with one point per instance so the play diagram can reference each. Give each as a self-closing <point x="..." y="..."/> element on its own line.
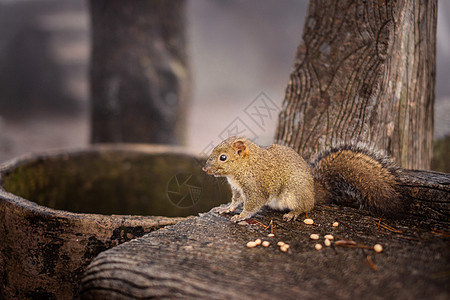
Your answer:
<point x="292" y="215"/>
<point x="296" y="204"/>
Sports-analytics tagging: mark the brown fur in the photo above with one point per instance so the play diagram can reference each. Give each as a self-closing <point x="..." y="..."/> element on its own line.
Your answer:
<point x="358" y="177"/>
<point x="276" y="176"/>
<point x="279" y="177"/>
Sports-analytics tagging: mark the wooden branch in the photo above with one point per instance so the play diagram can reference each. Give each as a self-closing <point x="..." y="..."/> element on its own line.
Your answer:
<point x="429" y="193"/>
<point x="206" y="257"/>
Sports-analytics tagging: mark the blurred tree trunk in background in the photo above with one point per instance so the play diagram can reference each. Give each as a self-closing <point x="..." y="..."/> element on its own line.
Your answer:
<point x="365" y="71"/>
<point x="139" y="74"/>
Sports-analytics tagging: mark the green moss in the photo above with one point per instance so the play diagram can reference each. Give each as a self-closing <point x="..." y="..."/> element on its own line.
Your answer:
<point x="441" y="155"/>
<point x="118" y="183"/>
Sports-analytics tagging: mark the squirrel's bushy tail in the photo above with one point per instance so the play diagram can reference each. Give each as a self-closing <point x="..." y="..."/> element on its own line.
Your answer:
<point x="356" y="176"/>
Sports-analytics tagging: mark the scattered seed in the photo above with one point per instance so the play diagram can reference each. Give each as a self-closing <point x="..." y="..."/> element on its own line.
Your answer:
<point x="314" y="236"/>
<point x="284" y="248"/>
<point x="335" y="224"/>
<point x="265" y="244"/>
<point x="327" y="242"/>
<point x="271" y="235"/>
<point x="318" y="246"/>
<point x="329" y="237"/>
<point x="280" y="243"/>
<point x="258" y="242"/>
<point x="308" y="221"/>
<point x="252" y="244"/>
<point x="378" y="248"/>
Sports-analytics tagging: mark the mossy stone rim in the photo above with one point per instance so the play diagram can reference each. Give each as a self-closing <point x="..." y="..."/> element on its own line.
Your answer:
<point x="45" y="251"/>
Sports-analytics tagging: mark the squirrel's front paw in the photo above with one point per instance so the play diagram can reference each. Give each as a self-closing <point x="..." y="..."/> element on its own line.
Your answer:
<point x="237" y="218"/>
<point x="225" y="210"/>
<point x="241" y="217"/>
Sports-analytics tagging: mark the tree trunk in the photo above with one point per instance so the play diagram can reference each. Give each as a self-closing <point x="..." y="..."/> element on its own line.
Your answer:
<point x="139" y="75"/>
<point x="365" y="71"/>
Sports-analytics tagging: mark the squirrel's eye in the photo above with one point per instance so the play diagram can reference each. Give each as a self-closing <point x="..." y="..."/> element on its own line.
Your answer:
<point x="223" y="157"/>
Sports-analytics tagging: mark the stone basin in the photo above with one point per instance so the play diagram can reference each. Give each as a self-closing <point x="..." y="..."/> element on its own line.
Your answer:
<point x="59" y="210"/>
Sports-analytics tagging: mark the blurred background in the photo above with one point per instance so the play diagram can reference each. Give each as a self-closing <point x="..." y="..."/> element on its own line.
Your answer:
<point x="234" y="55"/>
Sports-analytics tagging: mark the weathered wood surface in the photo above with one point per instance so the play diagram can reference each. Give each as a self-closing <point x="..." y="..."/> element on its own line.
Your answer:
<point x="364" y="71"/>
<point x="206" y="257"/>
<point x="44" y="252"/>
<point x="428" y="193"/>
<point x="60" y="209"/>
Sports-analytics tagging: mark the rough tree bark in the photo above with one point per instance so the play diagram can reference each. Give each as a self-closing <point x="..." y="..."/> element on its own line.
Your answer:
<point x="139" y="75"/>
<point x="365" y="71"/>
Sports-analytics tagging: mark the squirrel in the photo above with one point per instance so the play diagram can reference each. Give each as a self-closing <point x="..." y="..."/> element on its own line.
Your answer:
<point x="279" y="177"/>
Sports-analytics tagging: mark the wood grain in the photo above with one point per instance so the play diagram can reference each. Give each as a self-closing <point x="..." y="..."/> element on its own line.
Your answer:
<point x="364" y="71"/>
<point x="206" y="257"/>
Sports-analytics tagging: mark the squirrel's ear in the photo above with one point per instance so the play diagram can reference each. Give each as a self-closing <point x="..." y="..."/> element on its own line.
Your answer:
<point x="240" y="148"/>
